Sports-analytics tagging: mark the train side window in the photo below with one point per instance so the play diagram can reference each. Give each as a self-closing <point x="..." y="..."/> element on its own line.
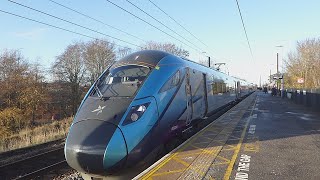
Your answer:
<point x="219" y="87"/>
<point x="172" y="82"/>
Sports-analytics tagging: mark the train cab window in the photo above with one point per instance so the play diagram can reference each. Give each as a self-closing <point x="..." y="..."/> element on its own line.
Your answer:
<point x="122" y="81"/>
<point x="172" y="82"/>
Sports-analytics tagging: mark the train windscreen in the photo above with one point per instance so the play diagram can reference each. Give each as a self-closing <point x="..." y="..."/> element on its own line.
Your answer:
<point x="122" y="81"/>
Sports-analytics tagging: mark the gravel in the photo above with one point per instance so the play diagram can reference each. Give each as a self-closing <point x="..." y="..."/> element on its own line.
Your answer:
<point x="73" y="176"/>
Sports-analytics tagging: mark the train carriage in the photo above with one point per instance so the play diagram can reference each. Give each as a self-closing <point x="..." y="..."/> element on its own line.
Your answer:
<point x="138" y="105"/>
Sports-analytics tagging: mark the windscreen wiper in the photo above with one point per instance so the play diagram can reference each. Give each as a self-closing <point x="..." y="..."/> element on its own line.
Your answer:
<point x="98" y="90"/>
<point x="100" y="95"/>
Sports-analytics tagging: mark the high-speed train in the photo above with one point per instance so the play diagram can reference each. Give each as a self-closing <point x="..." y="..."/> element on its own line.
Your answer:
<point x="139" y="104"/>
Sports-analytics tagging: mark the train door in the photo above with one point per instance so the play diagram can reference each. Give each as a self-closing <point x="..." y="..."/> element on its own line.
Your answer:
<point x="205" y="97"/>
<point x="189" y="97"/>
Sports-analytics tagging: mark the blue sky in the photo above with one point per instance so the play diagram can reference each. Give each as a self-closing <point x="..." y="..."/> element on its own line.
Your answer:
<point x="216" y="23"/>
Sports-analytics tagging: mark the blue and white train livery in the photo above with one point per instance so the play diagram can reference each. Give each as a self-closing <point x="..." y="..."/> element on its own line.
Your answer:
<point x="138" y="105"/>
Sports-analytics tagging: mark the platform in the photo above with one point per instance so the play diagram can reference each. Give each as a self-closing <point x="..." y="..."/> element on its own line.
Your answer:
<point x="263" y="137"/>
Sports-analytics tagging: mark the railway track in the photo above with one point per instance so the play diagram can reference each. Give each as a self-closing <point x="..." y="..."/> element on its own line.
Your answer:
<point x="41" y="166"/>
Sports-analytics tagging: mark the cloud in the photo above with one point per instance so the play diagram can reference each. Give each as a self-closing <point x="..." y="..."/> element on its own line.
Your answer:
<point x="32" y="34"/>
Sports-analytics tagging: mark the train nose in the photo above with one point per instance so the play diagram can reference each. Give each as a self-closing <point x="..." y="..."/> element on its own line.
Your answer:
<point x="95" y="146"/>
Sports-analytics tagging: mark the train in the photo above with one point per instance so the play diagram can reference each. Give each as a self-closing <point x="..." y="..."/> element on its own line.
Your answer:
<point x="139" y="104"/>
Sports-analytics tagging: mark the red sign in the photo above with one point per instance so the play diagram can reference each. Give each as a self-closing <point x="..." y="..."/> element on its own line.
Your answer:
<point x="300" y="80"/>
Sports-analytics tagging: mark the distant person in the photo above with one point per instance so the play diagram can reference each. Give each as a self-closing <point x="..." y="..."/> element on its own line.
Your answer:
<point x="273" y="91"/>
<point x="265" y="90"/>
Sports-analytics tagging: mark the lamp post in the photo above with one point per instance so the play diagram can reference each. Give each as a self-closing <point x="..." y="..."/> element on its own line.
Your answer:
<point x="282" y="81"/>
<point x="271" y="66"/>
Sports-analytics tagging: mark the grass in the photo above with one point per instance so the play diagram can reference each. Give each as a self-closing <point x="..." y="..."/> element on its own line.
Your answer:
<point x="41" y="134"/>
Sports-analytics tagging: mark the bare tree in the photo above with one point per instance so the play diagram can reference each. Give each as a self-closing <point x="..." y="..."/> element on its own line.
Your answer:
<point x="34" y="94"/>
<point x="167" y="47"/>
<point x="13" y="69"/>
<point x="70" y="67"/>
<point x="304" y="63"/>
<point x="98" y="55"/>
<point x="21" y="91"/>
<point x="122" y="52"/>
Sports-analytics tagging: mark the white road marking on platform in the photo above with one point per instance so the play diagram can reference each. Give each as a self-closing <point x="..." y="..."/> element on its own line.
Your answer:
<point x="252" y="129"/>
<point x="244" y="165"/>
<point x="242" y="176"/>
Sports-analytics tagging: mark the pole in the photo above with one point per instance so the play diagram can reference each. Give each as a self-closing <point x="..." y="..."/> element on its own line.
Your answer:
<point x="270" y="78"/>
<point x="209" y="61"/>
<point x="277" y="71"/>
<point x="282" y="87"/>
<point x="277" y="63"/>
<point x="259" y="81"/>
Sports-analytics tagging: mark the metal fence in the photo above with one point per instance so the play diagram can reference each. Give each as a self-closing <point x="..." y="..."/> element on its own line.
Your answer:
<point x="308" y="97"/>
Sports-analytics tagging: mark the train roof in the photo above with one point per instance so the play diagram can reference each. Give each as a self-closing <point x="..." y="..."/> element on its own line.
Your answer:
<point x="148" y="58"/>
<point x="151" y="58"/>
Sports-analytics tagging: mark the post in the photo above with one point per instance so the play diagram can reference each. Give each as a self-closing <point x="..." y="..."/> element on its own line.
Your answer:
<point x="209" y="61"/>
<point x="277" y="70"/>
<point x="277" y="63"/>
<point x="282" y="87"/>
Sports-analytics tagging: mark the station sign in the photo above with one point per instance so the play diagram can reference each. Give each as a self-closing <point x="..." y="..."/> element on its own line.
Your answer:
<point x="300" y="80"/>
<point x="277" y="76"/>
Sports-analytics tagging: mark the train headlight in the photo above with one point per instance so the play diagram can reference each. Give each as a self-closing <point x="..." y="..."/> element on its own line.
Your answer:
<point x="142" y="108"/>
<point x="134" y="116"/>
<point x="136" y="113"/>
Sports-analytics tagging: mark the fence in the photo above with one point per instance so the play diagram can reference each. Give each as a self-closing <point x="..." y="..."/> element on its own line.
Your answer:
<point x="309" y="98"/>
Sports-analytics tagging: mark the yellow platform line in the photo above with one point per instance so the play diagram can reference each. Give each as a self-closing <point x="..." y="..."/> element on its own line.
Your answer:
<point x="204" y="151"/>
<point x="223" y="158"/>
<point x="224" y="144"/>
<point x="181" y="161"/>
<point x="188" y="166"/>
<point x="181" y="170"/>
<point x="229" y="149"/>
<point x="189" y="154"/>
<point x="169" y="172"/>
<point x="150" y="173"/>
<point x="235" y="155"/>
<point x="166" y="160"/>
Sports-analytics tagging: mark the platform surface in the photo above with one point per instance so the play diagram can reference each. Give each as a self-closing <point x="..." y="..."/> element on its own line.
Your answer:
<point x="263" y="137"/>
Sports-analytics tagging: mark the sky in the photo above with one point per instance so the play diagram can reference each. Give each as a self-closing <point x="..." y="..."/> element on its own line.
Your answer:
<point x="216" y="23"/>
